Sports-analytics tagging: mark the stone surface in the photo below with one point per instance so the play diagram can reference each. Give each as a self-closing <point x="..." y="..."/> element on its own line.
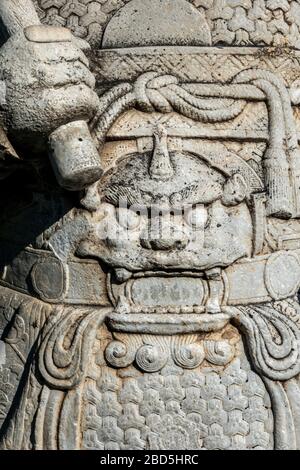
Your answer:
<point x="161" y="23"/>
<point x="231" y="22"/>
<point x="149" y="224"/>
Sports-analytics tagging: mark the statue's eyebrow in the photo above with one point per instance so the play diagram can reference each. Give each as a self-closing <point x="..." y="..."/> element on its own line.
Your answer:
<point x="191" y="192"/>
<point x="115" y="193"/>
<point x="186" y="192"/>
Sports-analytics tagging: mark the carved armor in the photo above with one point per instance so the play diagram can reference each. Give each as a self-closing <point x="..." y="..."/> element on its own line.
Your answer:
<point x="157" y="307"/>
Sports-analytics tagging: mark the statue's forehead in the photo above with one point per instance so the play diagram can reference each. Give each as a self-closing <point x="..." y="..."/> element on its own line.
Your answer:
<point x="139" y="124"/>
<point x="193" y="180"/>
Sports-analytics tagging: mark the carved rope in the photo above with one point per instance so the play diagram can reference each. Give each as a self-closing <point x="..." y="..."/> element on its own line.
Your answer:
<point x="162" y="93"/>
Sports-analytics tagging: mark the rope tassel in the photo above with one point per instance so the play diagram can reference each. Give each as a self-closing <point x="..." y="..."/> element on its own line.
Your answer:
<point x="295" y="177"/>
<point x="277" y="180"/>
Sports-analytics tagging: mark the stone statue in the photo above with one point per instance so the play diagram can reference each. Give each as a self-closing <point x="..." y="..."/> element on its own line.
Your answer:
<point x="150" y="224"/>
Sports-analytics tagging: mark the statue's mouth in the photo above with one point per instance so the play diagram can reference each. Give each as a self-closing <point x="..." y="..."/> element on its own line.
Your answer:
<point x="177" y="301"/>
<point x="159" y="291"/>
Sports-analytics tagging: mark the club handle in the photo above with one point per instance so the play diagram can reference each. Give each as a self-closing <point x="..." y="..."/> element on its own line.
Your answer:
<point x="74" y="156"/>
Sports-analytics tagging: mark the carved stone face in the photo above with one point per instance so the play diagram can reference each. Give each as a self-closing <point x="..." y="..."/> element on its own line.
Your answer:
<point x="162" y="211"/>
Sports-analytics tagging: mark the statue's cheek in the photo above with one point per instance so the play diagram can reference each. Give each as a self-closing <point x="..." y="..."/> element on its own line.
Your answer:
<point x="229" y="227"/>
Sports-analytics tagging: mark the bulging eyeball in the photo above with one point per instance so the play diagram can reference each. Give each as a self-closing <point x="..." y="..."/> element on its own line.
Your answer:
<point x="128" y="218"/>
<point x="196" y="217"/>
<point x="234" y="191"/>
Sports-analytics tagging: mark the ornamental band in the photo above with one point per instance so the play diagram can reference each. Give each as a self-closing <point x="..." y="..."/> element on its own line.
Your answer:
<point x="149" y="224"/>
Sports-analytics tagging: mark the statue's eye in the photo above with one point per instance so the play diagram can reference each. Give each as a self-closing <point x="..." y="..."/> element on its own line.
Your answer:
<point x="196" y="217"/>
<point x="127" y="218"/>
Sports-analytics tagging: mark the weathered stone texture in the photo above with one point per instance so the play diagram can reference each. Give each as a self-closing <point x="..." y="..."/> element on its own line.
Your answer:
<point x="231" y="22"/>
<point x="149" y="224"/>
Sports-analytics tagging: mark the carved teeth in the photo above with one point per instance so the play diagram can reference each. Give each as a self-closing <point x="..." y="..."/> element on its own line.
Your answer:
<point x="123" y="305"/>
<point x="214" y="278"/>
<point x="186" y="309"/>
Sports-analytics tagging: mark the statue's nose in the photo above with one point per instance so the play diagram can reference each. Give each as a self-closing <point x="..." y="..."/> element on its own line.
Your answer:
<point x="170" y="243"/>
<point x="160" y="237"/>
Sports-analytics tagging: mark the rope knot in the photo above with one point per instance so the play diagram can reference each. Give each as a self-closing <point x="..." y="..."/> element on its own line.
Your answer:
<point x="147" y="92"/>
